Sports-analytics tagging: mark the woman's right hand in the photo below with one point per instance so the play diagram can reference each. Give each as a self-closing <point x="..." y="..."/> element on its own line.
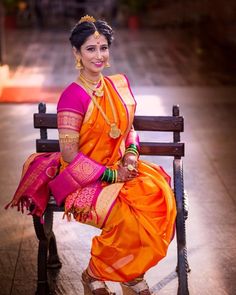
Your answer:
<point x="124" y="174"/>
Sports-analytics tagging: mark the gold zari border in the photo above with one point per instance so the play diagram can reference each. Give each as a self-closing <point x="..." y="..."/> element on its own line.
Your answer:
<point x="104" y="202"/>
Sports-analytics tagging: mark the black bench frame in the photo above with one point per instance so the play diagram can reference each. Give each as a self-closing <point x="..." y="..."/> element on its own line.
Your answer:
<point x="47" y="250"/>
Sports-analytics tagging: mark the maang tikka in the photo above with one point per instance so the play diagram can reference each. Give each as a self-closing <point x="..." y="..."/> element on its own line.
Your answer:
<point x="90" y="19"/>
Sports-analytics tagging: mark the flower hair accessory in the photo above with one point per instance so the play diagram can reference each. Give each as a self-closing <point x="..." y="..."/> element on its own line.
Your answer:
<point x="87" y="18"/>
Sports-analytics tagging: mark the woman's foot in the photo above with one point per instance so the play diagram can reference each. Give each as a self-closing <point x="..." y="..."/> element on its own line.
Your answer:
<point x="93" y="286"/>
<point x="138" y="286"/>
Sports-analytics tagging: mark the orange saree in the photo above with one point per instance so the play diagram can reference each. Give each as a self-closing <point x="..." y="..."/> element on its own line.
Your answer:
<point x="137" y="217"/>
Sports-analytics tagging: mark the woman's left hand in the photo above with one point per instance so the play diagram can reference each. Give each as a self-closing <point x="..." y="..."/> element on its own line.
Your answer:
<point x="130" y="159"/>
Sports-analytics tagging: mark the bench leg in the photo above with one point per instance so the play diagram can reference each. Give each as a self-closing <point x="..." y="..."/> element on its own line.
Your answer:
<point x="47" y="244"/>
<point x="53" y="259"/>
<point x="182" y="266"/>
<point x="42" y="283"/>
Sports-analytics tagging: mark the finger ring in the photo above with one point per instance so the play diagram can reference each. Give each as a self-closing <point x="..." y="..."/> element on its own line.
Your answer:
<point x="130" y="167"/>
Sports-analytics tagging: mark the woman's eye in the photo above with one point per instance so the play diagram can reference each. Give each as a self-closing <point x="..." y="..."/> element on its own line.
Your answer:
<point x="104" y="48"/>
<point x="91" y="49"/>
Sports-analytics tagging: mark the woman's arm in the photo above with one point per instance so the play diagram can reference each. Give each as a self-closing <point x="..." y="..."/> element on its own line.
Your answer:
<point x="73" y="175"/>
<point x="132" y="138"/>
<point x="132" y="149"/>
<point x="69" y="125"/>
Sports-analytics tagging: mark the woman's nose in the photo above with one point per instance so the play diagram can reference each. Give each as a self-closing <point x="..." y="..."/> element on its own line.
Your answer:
<point x="99" y="54"/>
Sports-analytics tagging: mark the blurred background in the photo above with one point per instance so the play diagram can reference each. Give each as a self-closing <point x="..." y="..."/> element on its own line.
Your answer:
<point x="201" y="33"/>
<point x="173" y="52"/>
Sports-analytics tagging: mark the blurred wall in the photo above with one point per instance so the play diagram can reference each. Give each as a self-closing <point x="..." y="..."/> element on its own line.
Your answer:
<point x="217" y="18"/>
<point x="213" y="19"/>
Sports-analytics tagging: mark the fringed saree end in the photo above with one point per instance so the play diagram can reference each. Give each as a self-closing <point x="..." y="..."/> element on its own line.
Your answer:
<point x="25" y="204"/>
<point x="22" y="204"/>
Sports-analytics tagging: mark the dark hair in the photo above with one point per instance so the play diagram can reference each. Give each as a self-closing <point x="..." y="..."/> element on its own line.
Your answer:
<point x="82" y="31"/>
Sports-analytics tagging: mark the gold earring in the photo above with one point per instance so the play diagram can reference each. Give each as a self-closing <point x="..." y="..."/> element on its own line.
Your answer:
<point x="107" y="65"/>
<point x="78" y="64"/>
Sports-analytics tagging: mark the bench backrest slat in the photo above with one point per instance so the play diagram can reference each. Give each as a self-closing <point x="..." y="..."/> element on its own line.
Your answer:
<point x="141" y="123"/>
<point x="174" y="124"/>
<point x="158" y="123"/>
<point x="146" y="148"/>
<point x="45" y="121"/>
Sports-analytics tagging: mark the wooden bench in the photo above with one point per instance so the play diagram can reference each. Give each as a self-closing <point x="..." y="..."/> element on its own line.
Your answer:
<point x="47" y="251"/>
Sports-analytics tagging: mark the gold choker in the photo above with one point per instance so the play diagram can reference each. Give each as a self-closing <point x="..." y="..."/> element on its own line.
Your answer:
<point x="90" y="81"/>
<point x="97" y="90"/>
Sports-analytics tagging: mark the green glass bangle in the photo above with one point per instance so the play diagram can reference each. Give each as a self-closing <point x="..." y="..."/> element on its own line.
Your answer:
<point x="133" y="146"/>
<point x="129" y="150"/>
<point x="132" y="149"/>
<point x="105" y="175"/>
<point x="114" y="176"/>
<point x="109" y="175"/>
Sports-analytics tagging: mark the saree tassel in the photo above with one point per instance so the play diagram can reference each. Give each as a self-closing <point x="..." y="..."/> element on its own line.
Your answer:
<point x="25" y="203"/>
<point x="22" y="205"/>
<point x="67" y="215"/>
<point x="82" y="214"/>
<point x="9" y="205"/>
<point x="94" y="215"/>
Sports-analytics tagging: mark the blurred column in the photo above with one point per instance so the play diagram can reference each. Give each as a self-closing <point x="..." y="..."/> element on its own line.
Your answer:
<point x="1" y="33"/>
<point x="4" y="69"/>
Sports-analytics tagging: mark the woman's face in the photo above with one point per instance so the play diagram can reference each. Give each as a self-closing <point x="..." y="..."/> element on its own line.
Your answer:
<point x="94" y="54"/>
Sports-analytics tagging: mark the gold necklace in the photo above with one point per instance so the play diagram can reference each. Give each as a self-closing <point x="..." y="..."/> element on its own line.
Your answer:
<point x="115" y="132"/>
<point x="97" y="90"/>
<point x="90" y="81"/>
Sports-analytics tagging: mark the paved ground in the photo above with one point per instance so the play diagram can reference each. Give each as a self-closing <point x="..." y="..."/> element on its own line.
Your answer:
<point x="163" y="70"/>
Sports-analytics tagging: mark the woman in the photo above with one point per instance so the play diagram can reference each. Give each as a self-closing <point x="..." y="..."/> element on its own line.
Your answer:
<point x="98" y="173"/>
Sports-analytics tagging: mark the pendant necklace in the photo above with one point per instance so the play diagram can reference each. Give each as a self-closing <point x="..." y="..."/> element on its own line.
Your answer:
<point x="98" y="91"/>
<point x="114" y="132"/>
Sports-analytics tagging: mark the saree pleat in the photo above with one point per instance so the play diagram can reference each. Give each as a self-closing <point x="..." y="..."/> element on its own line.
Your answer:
<point x="139" y="229"/>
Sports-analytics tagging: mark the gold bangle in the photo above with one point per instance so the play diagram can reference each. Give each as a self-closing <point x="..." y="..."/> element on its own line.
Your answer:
<point x="69" y="137"/>
<point x="131" y="152"/>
